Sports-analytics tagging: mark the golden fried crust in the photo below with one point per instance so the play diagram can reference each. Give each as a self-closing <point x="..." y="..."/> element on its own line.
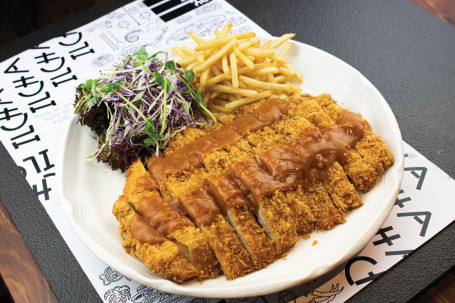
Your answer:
<point x="293" y="125"/>
<point x="279" y="222"/>
<point x="121" y="209"/>
<point x="337" y="184"/>
<point x="138" y="179"/>
<point x="340" y="190"/>
<point x="233" y="258"/>
<point x="219" y="161"/>
<point x="246" y="109"/>
<point x="258" y="245"/>
<point x="191" y="239"/>
<point x="369" y="158"/>
<point x="226" y="118"/>
<point x="183" y="138"/>
<point x="172" y="186"/>
<point x="304" y="218"/>
<point x="164" y="259"/>
<point x="266" y="139"/>
<point x="322" y="208"/>
<point x="312" y="111"/>
<point x="329" y="106"/>
<point x="199" y="252"/>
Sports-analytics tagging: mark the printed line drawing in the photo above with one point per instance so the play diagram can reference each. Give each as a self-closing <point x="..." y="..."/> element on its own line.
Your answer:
<point x="110" y="275"/>
<point x="241" y="29"/>
<point x="208" y="8"/>
<point x="118" y="294"/>
<point x="237" y="20"/>
<point x="102" y="25"/>
<point x="118" y="43"/>
<point x="123" y="24"/>
<point x="325" y="296"/>
<point x="145" y="15"/>
<point x="130" y="50"/>
<point x="102" y="60"/>
<point x="203" y="27"/>
<point x="147" y="294"/>
<point x="133" y="35"/>
<point x="108" y="41"/>
<point x="132" y="10"/>
<point x="183" y="19"/>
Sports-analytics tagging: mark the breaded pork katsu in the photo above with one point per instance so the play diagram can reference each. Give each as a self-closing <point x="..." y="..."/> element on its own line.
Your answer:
<point x="235" y="196"/>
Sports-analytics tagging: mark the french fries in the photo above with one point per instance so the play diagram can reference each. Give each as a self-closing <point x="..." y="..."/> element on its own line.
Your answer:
<point x="235" y="69"/>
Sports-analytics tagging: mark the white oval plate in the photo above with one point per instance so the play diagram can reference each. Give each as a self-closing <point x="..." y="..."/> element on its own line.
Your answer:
<point x="89" y="189"/>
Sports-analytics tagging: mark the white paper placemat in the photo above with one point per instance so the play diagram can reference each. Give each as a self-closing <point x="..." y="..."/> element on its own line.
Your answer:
<point x="35" y="107"/>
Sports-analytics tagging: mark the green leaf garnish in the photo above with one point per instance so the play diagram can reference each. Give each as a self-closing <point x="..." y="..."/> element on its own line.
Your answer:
<point x="159" y="79"/>
<point x="189" y="75"/>
<point x="141" y="55"/>
<point x="167" y="85"/>
<point x="108" y="87"/>
<point x="170" y="65"/>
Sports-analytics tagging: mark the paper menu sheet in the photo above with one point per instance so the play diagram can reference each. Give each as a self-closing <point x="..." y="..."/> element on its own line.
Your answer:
<point x="36" y="103"/>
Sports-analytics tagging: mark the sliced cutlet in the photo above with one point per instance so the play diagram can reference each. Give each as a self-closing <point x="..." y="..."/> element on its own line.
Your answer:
<point x="340" y="189"/>
<point x="272" y="210"/>
<point x="180" y="229"/>
<point x="369" y="158"/>
<point x="234" y="259"/>
<point x="275" y="210"/>
<point x="179" y="144"/>
<point x="265" y="140"/>
<point x="237" y="210"/>
<point x="157" y="253"/>
<point x="221" y="161"/>
<point x="254" y="117"/>
<point x="138" y="179"/>
<point x="193" y="198"/>
<point x="336" y="183"/>
<point x="169" y="222"/>
<point x="316" y="196"/>
<point x="307" y="214"/>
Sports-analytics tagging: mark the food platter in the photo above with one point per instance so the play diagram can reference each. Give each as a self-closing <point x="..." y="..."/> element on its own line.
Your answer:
<point x="88" y="190"/>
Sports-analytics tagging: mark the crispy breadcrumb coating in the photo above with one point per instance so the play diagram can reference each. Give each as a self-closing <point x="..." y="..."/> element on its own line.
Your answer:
<point x="279" y="222"/>
<point x="189" y="239"/>
<point x="165" y="259"/>
<point x="369" y="158"/>
<point x="258" y="245"/>
<point x="234" y="259"/>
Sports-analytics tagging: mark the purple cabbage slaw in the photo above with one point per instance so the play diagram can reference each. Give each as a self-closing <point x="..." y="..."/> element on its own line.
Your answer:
<point x="147" y="100"/>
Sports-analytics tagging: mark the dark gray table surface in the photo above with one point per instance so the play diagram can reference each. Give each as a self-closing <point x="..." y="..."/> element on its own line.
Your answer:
<point x="406" y="52"/>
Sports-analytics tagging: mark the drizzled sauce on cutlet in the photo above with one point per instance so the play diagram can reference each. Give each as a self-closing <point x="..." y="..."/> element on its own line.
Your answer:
<point x="145" y="233"/>
<point x="300" y="162"/>
<point x="200" y="206"/>
<point x="190" y="155"/>
<point x="162" y="216"/>
<point x="226" y="193"/>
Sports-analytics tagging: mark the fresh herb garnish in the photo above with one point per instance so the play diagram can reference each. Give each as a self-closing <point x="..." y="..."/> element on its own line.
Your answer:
<point x="147" y="99"/>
